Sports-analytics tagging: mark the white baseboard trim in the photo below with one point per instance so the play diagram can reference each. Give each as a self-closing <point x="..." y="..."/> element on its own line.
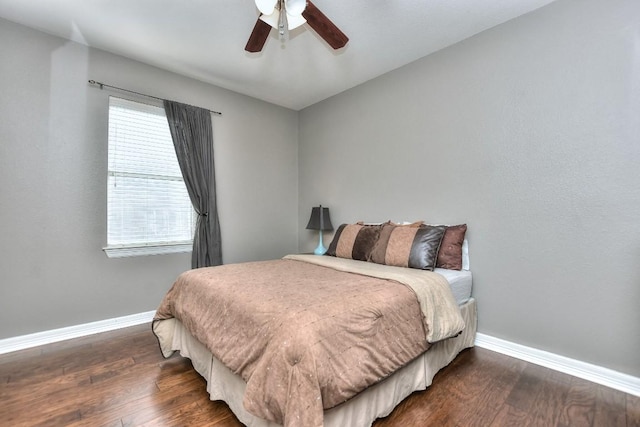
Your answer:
<point x="8" y="345"/>
<point x="597" y="374"/>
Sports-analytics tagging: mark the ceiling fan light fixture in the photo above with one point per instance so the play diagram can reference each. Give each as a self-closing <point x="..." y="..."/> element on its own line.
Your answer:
<point x="282" y="19"/>
<point x="276" y="20"/>
<point x="266" y="7"/>
<point x="295" y="7"/>
<point x="294" y="21"/>
<point x="289" y="14"/>
<point x="272" y="19"/>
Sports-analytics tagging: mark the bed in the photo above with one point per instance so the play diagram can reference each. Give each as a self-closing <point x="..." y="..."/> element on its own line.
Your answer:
<point x="317" y="340"/>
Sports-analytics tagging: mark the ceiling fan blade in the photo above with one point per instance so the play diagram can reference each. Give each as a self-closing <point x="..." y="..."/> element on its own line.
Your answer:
<point x="324" y="27"/>
<point x="258" y="36"/>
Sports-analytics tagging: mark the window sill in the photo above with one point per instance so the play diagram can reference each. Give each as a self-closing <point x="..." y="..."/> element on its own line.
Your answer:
<point x="132" y="251"/>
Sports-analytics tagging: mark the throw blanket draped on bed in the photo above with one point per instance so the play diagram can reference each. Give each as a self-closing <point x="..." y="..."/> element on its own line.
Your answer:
<point x="305" y="333"/>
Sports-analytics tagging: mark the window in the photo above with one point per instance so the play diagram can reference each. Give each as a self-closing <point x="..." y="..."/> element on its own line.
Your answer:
<point x="148" y="208"/>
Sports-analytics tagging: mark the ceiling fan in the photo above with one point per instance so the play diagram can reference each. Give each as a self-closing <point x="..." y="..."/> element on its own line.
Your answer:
<point x="289" y="14"/>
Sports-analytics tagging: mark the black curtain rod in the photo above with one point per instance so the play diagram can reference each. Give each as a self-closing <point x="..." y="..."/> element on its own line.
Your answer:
<point x="103" y="85"/>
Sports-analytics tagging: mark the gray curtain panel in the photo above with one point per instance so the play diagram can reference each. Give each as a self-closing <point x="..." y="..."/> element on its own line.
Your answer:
<point x="192" y="135"/>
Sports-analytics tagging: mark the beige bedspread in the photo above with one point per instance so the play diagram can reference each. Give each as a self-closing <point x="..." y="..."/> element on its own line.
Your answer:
<point x="305" y="336"/>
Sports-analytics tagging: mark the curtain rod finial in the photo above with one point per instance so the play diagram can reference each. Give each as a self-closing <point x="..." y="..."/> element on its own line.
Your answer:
<point x="93" y="82"/>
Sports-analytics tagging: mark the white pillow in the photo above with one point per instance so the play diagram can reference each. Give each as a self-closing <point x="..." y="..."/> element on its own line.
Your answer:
<point x="465" y="255"/>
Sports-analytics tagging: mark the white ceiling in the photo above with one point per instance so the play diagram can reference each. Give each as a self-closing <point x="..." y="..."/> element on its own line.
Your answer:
<point x="205" y="39"/>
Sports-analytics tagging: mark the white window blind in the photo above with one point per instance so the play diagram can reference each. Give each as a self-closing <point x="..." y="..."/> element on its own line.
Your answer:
<point x="147" y="202"/>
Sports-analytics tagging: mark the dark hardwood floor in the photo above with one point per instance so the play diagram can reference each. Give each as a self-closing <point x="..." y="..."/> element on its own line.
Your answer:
<point x="120" y="379"/>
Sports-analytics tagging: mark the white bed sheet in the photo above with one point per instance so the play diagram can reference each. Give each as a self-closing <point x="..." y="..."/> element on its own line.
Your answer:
<point x="460" y="281"/>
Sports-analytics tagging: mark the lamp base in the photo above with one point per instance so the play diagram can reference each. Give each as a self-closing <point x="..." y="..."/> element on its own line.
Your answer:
<point x="320" y="249"/>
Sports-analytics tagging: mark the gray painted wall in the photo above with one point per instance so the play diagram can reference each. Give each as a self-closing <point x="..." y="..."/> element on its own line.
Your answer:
<point x="53" y="154"/>
<point x="529" y="133"/>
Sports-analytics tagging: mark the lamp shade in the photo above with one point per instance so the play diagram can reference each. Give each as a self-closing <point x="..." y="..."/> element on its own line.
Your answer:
<point x="320" y="219"/>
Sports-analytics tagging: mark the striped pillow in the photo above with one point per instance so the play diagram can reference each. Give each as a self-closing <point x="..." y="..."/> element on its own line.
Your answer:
<point x="413" y="247"/>
<point x="354" y="241"/>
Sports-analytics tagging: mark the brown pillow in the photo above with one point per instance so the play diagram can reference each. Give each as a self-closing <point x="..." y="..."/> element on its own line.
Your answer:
<point x="450" y="254"/>
<point x="413" y="247"/>
<point x="354" y="241"/>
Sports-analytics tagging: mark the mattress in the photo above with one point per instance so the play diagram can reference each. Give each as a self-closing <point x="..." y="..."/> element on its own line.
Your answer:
<point x="460" y="282"/>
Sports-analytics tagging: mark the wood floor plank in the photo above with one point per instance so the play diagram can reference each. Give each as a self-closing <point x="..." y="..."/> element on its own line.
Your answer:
<point x="464" y="389"/>
<point x="510" y="416"/>
<point x="98" y="421"/>
<point x="50" y="400"/>
<point x="116" y="392"/>
<point x="611" y="408"/>
<point x="120" y="379"/>
<point x="633" y="411"/>
<point x="19" y="356"/>
<point x="149" y="408"/>
<point x="548" y="404"/>
<point x="57" y="420"/>
<point x="174" y="372"/>
<point x="579" y="405"/>
<point x="188" y="414"/>
<point x="526" y="387"/>
<point x="484" y="406"/>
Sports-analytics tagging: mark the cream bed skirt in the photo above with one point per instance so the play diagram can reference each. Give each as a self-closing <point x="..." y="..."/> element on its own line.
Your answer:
<point x="360" y="411"/>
